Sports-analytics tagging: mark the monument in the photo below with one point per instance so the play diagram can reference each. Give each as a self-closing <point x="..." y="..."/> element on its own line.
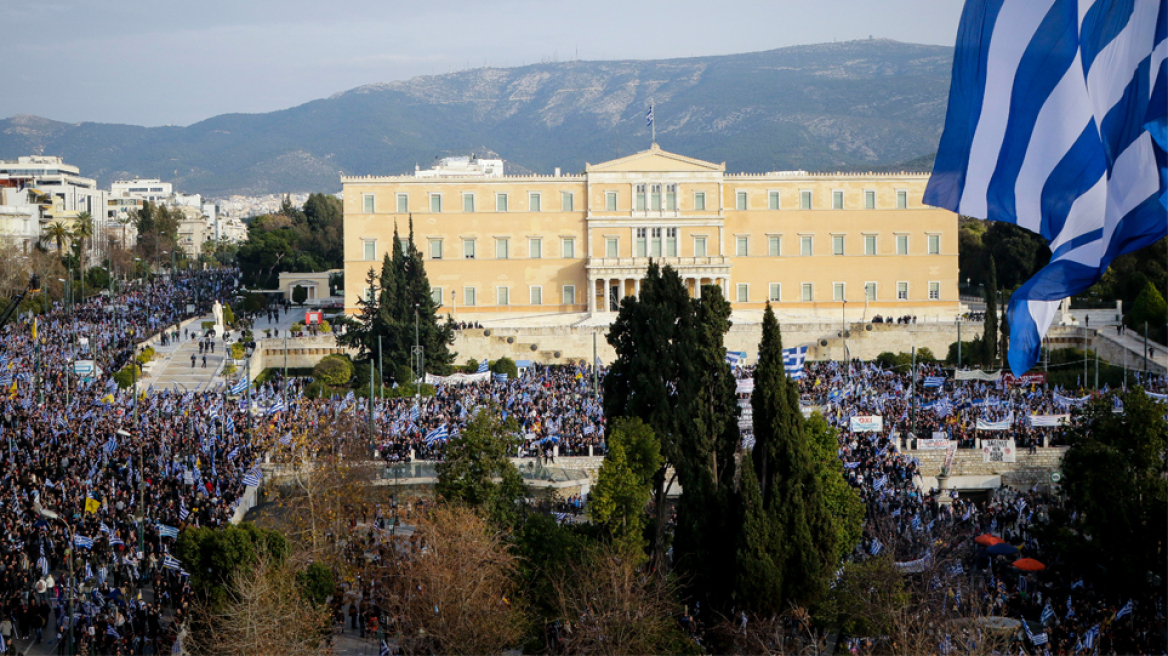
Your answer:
<point x="217" y="312"/>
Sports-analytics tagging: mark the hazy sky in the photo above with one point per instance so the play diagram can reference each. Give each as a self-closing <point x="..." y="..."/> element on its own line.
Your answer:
<point x="155" y="62"/>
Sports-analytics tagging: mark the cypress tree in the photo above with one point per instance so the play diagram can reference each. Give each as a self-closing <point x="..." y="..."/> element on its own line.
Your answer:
<point x="803" y="537"/>
<point x="434" y="338"/>
<point x="989" y="340"/>
<point x="758" y="581"/>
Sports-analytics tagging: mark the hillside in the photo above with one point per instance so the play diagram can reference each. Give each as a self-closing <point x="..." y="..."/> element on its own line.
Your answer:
<point x="849" y="106"/>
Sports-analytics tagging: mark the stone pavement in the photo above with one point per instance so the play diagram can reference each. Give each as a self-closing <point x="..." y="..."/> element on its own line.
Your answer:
<point x="173" y="369"/>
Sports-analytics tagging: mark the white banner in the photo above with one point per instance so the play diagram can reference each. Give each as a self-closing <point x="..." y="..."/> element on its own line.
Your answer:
<point x="1002" y="425"/>
<point x="867" y="424"/>
<point x="745" y="386"/>
<point x="989" y="376"/>
<point x="932" y="445"/>
<point x="1046" y="421"/>
<point x="913" y="566"/>
<point x="997" y="451"/>
<point x="458" y="379"/>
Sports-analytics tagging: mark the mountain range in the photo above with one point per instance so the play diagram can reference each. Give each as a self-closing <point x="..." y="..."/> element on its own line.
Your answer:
<point x="858" y="105"/>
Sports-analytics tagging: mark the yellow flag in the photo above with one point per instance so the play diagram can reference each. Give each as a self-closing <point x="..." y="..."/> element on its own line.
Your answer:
<point x="34" y="326"/>
<point x="92" y="505"/>
<point x="108" y="398"/>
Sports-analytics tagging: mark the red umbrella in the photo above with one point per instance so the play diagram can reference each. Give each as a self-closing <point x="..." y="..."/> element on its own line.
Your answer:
<point x="1029" y="565"/>
<point x="987" y="540"/>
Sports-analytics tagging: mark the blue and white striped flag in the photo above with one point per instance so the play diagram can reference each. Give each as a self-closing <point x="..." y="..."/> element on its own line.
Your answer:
<point x="82" y="542"/>
<point x="1039" y="639"/>
<point x="649" y="117"/>
<point x="875" y="548"/>
<point x="170" y="562"/>
<point x="934" y="381"/>
<point x="1047" y="613"/>
<point x="484" y="367"/>
<point x="253" y="477"/>
<point x="183" y="513"/>
<point x="500" y="377"/>
<point x="1125" y="611"/>
<point x="167" y="531"/>
<point x="735" y="358"/>
<point x="1089" y="638"/>
<point x="1058" y="123"/>
<point x="793" y="359"/>
<point x="439" y="434"/>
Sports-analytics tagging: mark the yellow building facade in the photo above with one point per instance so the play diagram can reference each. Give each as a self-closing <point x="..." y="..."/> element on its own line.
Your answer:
<point x="811" y="244"/>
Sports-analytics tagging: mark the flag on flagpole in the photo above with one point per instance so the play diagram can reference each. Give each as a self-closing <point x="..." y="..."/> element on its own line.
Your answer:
<point x="1058" y="123"/>
<point x="1126" y="610"/>
<point x="793" y="359"/>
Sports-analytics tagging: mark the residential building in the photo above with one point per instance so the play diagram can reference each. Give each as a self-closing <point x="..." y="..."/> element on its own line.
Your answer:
<point x="810" y="243"/>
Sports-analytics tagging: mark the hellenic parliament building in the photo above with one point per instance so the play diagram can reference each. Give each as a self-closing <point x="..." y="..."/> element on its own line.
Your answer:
<point x="813" y="244"/>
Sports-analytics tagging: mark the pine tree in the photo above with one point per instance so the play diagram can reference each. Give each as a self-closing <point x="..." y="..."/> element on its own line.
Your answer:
<point x="434" y="338"/>
<point x="803" y="538"/>
<point x="989" y="340"/>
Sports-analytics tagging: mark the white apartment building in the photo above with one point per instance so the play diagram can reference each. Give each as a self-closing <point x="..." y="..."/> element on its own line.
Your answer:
<point x="462" y="166"/>
<point x="150" y="189"/>
<point x="47" y="189"/>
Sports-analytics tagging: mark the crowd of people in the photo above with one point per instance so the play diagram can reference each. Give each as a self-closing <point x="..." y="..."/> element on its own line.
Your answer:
<point x="91" y="466"/>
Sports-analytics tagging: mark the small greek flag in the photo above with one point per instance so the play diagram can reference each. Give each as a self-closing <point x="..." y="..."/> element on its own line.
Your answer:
<point x="170" y="562"/>
<point x="384" y="649"/>
<point x="793" y="359"/>
<point x="167" y="531"/>
<point x="1126" y="610"/>
<point x="1089" y="637"/>
<point x="1047" y="613"/>
<point x="115" y="540"/>
<point x="934" y="381"/>
<point x="83" y="542"/>
<point x="735" y="358"/>
<point x="110" y="445"/>
<point x="1039" y="639"/>
<point x="239" y="387"/>
<point x="500" y="377"/>
<point x="649" y="117"/>
<point x="484" y="367"/>
<point x="439" y="434"/>
<point x="253" y="477"/>
<point x="876" y="547"/>
<point x="183" y="513"/>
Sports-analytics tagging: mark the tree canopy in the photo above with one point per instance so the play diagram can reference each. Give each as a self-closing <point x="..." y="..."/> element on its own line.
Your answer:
<point x="305" y="240"/>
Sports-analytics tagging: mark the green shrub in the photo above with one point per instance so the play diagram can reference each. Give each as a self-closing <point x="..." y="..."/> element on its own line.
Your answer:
<point x="334" y="370"/>
<point x="229" y="368"/>
<point x="146" y="355"/>
<point x="228" y="315"/>
<point x="208" y="325"/>
<point x="237" y="351"/>
<point x="325" y="327"/>
<point x="403" y="374"/>
<point x="505" y="365"/>
<point x="471" y="366"/>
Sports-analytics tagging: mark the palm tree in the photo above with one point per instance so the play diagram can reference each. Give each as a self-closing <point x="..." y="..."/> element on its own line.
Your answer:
<point x="125" y="221"/>
<point x="59" y="233"/>
<point x="82" y="231"/>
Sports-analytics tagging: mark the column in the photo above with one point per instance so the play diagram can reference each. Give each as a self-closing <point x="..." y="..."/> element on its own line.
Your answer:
<point x="608" y="293"/>
<point x="591" y="294"/>
<point x="697" y="287"/>
<point x="637" y="287"/>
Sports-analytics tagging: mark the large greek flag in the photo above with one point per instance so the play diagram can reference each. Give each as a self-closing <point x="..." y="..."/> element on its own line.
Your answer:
<point x="1058" y="123"/>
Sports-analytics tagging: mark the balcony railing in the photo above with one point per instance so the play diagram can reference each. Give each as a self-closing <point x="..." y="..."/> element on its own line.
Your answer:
<point x="675" y="262"/>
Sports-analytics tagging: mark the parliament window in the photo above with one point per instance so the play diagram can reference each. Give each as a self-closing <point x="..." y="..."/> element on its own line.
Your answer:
<point x="468" y="203"/>
<point x="569" y="294"/>
<point x="468" y="296"/>
<point x="740" y="200"/>
<point x="502" y="249"/>
<point x="671" y="197"/>
<point x="367" y="203"/>
<point x="869" y="200"/>
<point x="869" y="244"/>
<point x="934" y="291"/>
<point x="436" y="295"/>
<point x="611" y="247"/>
<point x="837" y="200"/>
<point x="567" y="247"/>
<point x="837" y="244"/>
<point x="500" y="202"/>
<point x="774" y="245"/>
<point x="655" y="198"/>
<point x="700" y="200"/>
<point x="435" y="249"/>
<point x="435" y="203"/>
<point x="468" y="249"/>
<point x="773" y="200"/>
<point x="403" y="203"/>
<point x="370" y="247"/>
<point x="901" y="199"/>
<point x="699" y="246"/>
<point x="805" y="200"/>
<point x="567" y="201"/>
<point x="535" y="248"/>
<point x="902" y="244"/>
<point x="902" y="291"/>
<point x="776" y="291"/>
<point x="534" y="202"/>
<point x="806" y="293"/>
<point x="742" y="246"/>
<point x="536" y="295"/>
<point x="642" y="242"/>
<point x="837" y="291"/>
<point x="869" y="291"/>
<point x="934" y="244"/>
<point x="610" y="201"/>
<point x="743" y="292"/>
<point x="503" y="295"/>
<point x="806" y="244"/>
<point x="640" y="207"/>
